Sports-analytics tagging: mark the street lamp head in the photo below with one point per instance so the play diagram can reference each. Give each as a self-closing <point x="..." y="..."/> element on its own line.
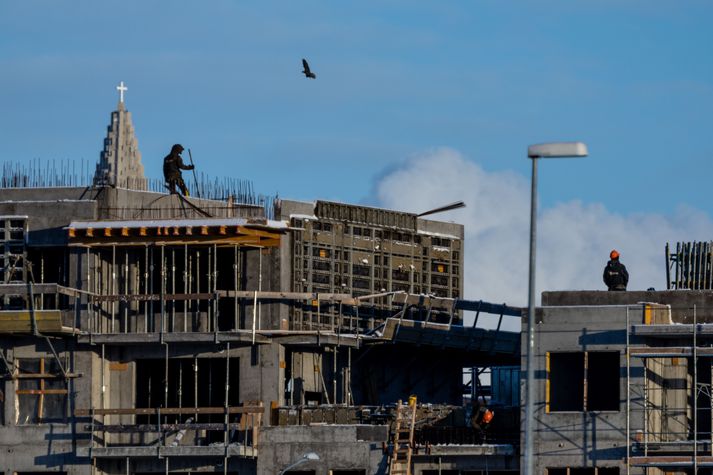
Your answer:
<point x="456" y="205"/>
<point x="557" y="150"/>
<point x="311" y="456"/>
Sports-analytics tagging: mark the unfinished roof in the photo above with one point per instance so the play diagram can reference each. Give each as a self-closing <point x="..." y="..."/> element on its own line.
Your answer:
<point x="365" y="214"/>
<point x="222" y="231"/>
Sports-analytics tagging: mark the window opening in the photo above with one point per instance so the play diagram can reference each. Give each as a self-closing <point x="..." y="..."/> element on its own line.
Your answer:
<point x="603" y="381"/>
<point x="150" y="385"/>
<point x="41" y="391"/>
<point x="566" y="381"/>
<point x="583" y="381"/>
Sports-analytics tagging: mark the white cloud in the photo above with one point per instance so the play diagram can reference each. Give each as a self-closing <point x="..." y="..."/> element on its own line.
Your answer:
<point x="574" y="238"/>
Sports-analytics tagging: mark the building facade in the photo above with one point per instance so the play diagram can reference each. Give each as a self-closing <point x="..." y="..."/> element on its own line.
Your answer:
<point x="143" y="332"/>
<point x="622" y="382"/>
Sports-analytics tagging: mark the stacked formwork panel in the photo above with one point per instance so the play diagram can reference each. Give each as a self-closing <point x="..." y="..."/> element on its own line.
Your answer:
<point x="339" y="248"/>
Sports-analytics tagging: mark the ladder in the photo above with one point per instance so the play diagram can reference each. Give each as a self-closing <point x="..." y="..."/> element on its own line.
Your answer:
<point x="402" y="438"/>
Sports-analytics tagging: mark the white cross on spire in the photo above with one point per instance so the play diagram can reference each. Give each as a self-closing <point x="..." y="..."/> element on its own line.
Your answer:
<point x="121" y="88"/>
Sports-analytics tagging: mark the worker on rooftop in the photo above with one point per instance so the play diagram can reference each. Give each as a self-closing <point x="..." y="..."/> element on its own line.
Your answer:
<point x="172" y="166"/>
<point x="615" y="275"/>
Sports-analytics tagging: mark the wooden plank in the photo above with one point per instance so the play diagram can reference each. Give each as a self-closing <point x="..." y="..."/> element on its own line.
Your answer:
<point x="240" y="337"/>
<point x="669" y="351"/>
<point x="260" y="233"/>
<point x="41" y="391"/>
<point x="671" y="460"/>
<point x="240" y="240"/>
<point x="72" y="292"/>
<point x="487" y="307"/>
<point x="169" y="411"/>
<point x="44" y="376"/>
<point x="448" y="304"/>
<point x="19" y="321"/>
<point x="122" y="452"/>
<point x="22" y="289"/>
<point x="547" y="382"/>
<point x="128" y="428"/>
<point x="150" y="297"/>
<point x="264" y="295"/>
<point x="269" y="242"/>
<point x="672" y="330"/>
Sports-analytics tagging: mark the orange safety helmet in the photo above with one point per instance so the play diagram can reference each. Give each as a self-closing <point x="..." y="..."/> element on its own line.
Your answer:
<point x="614" y="254"/>
<point x="488" y="416"/>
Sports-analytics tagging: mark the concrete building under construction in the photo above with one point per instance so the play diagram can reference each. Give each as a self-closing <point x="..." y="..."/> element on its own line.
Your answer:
<point x="143" y="332"/>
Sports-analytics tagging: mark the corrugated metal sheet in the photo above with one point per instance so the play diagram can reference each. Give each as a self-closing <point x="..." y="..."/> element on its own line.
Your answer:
<point x="506" y="385"/>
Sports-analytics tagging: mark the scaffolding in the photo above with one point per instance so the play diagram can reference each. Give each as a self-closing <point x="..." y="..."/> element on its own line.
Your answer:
<point x="371" y="252"/>
<point x="166" y="285"/>
<point x="80" y="174"/>
<point x="689" y="266"/>
<point x="671" y="402"/>
<point x="216" y="432"/>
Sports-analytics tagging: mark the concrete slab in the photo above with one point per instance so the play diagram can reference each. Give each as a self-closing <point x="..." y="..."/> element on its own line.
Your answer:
<point x="242" y="338"/>
<point x="468" y="450"/>
<point x="179" y="451"/>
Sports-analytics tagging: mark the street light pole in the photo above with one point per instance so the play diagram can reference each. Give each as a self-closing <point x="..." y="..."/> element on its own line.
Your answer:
<point x="529" y="399"/>
<point x="546" y="150"/>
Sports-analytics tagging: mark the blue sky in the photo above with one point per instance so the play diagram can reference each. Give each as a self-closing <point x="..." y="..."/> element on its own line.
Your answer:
<point x="395" y="79"/>
<point x="415" y="105"/>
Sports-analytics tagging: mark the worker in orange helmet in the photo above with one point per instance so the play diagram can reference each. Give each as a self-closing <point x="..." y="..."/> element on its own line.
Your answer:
<point x="615" y="275"/>
<point x="481" y="417"/>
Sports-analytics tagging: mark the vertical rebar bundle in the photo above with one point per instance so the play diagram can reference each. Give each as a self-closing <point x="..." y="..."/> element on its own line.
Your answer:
<point x="690" y="266"/>
<point x="66" y="173"/>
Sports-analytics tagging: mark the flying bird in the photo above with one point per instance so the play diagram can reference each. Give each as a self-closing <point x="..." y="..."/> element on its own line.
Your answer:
<point x="308" y="74"/>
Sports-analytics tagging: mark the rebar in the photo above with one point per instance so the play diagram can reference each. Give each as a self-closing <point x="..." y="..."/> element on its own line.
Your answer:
<point x="693" y="265"/>
<point x="65" y="173"/>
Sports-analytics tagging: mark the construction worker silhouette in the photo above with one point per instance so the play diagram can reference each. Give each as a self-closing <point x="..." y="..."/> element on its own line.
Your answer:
<point x="481" y="418"/>
<point x="172" y="166"/>
<point x="615" y="275"/>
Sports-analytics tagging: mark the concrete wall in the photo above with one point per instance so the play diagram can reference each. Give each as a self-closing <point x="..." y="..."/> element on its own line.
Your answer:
<point x="340" y="447"/>
<point x="580" y="439"/>
<point x="682" y="302"/>
<point x="440" y="227"/>
<point x="48" y="212"/>
<point x="25" y="447"/>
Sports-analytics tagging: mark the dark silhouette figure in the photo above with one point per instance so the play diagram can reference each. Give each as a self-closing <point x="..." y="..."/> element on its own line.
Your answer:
<point x="481" y="418"/>
<point x="615" y="275"/>
<point x="172" y="166"/>
<point x="307" y="72"/>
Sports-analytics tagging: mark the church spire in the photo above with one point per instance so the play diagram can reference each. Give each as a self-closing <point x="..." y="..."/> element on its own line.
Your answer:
<point x="122" y="89"/>
<point x="120" y="160"/>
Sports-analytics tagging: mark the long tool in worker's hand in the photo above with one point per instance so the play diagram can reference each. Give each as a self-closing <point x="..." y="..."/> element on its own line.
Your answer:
<point x="195" y="180"/>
